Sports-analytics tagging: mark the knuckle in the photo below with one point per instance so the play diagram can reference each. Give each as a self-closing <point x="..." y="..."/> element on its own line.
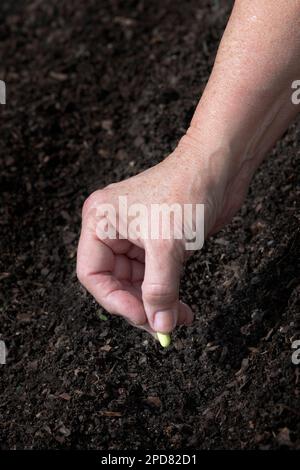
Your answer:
<point x="95" y="198"/>
<point x="89" y="203"/>
<point x="170" y="247"/>
<point x="156" y="247"/>
<point x="111" y="186"/>
<point x="158" y="293"/>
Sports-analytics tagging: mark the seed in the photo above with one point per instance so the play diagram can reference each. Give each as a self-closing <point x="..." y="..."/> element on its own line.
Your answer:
<point x="165" y="340"/>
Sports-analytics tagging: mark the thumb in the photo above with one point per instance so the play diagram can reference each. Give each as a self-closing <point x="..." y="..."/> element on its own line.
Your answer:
<point x="160" y="289"/>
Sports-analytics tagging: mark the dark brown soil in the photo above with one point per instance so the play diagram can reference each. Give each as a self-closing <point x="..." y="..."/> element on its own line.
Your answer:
<point x="97" y="91"/>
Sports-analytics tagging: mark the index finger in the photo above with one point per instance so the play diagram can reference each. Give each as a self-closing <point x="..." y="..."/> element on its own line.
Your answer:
<point x="95" y="266"/>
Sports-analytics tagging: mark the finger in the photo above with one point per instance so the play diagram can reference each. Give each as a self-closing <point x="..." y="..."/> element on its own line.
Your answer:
<point x="185" y="317"/>
<point x="95" y="264"/>
<point x="160" y="288"/>
<point x="185" y="314"/>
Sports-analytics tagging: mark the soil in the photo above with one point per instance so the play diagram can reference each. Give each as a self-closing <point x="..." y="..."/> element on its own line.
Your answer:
<point x="97" y="92"/>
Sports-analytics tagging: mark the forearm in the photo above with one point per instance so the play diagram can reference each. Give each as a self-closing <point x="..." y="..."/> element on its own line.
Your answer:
<point x="246" y="105"/>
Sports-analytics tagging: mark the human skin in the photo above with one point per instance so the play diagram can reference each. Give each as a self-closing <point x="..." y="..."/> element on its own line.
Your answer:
<point x="245" y="108"/>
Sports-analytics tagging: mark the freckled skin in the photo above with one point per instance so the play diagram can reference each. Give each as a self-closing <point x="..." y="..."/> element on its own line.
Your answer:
<point x="245" y="108"/>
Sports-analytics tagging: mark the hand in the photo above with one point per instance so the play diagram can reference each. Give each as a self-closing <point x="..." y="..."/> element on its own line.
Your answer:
<point x="139" y="278"/>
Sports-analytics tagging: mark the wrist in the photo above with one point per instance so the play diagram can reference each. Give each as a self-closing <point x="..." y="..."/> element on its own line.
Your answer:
<point x="240" y="123"/>
<point x="211" y="156"/>
<point x="220" y="175"/>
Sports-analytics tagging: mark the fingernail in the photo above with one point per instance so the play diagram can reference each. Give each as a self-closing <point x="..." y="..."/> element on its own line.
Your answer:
<point x="164" y="321"/>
